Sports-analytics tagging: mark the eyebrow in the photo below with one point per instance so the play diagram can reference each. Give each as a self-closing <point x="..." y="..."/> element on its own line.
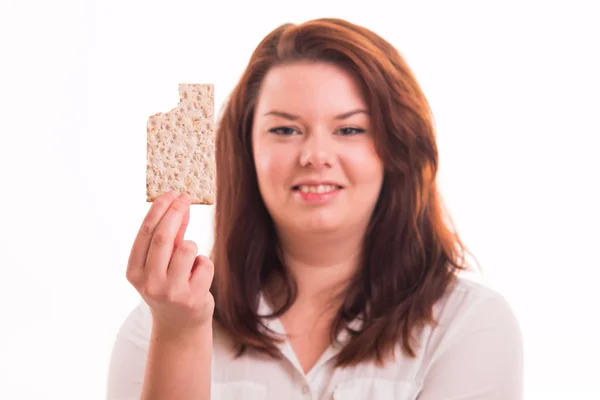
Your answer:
<point x="295" y="117"/>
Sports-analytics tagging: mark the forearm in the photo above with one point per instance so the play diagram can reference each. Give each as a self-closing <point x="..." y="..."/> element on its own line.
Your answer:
<point x="178" y="365"/>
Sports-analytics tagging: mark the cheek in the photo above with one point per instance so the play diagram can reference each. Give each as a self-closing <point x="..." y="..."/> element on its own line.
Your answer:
<point x="272" y="165"/>
<point x="364" y="165"/>
<point x="264" y="161"/>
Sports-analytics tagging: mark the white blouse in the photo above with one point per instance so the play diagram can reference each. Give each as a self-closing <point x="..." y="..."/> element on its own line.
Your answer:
<point x="475" y="353"/>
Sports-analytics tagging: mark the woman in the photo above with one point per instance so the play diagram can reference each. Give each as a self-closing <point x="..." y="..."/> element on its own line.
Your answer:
<point x="335" y="274"/>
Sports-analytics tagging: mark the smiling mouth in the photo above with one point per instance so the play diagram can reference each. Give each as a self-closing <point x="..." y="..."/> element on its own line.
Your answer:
<point x="319" y="189"/>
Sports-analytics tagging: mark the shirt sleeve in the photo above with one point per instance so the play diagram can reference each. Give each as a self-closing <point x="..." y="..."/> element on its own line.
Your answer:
<point x="128" y="357"/>
<point x="483" y="360"/>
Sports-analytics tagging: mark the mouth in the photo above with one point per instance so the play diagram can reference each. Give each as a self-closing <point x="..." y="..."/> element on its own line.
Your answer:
<point x="317" y="188"/>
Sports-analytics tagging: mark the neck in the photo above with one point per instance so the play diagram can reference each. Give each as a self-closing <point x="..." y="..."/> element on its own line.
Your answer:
<point x="321" y="264"/>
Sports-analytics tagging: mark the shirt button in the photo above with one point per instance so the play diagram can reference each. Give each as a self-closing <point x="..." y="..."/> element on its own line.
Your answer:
<point x="305" y="389"/>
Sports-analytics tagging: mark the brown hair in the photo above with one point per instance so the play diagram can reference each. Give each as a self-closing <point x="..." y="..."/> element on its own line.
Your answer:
<point x="411" y="256"/>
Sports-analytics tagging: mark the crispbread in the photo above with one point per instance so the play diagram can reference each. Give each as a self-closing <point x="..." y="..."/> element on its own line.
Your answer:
<point x="181" y="147"/>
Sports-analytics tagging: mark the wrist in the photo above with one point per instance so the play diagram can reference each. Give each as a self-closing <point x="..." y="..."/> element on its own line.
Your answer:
<point x="190" y="335"/>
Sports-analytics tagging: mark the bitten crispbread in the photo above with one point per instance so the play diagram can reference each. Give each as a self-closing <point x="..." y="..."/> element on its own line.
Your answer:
<point x="181" y="147"/>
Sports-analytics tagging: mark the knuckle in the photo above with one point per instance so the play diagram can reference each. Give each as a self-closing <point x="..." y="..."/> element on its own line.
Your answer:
<point x="188" y="248"/>
<point x="191" y="303"/>
<point x="209" y="271"/>
<point x="207" y="264"/>
<point x="160" y="238"/>
<point x="176" y="296"/>
<point x="171" y="296"/>
<point x="146" y="228"/>
<point x="132" y="276"/>
<point x="154" y="290"/>
<point x="209" y="301"/>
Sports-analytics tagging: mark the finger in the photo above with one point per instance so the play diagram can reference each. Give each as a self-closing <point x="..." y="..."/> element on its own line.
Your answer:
<point x="163" y="240"/>
<point x="180" y="267"/>
<point x="184" y="225"/>
<point x="202" y="274"/>
<point x="139" y="250"/>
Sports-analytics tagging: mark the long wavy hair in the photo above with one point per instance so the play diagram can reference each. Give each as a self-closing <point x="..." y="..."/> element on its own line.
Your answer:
<point x="411" y="256"/>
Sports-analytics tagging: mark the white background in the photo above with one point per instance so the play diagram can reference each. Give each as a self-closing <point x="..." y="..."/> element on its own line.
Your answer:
<point x="514" y="88"/>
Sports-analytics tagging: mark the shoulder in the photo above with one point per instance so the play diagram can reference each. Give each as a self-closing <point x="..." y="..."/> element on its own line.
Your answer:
<point x="467" y="299"/>
<point x="477" y="341"/>
<point x="469" y="304"/>
<point x="471" y="309"/>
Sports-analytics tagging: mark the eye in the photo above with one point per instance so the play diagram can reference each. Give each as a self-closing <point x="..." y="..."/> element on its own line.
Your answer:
<point x="351" y="131"/>
<point x="283" y="131"/>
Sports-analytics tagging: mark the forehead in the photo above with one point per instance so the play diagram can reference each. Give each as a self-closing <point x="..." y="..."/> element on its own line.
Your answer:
<point x="310" y="89"/>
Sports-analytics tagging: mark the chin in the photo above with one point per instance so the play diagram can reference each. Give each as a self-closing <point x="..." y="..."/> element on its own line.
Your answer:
<point x="317" y="224"/>
<point x="315" y="221"/>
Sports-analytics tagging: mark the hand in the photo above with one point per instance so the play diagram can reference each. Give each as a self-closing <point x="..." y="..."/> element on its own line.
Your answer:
<point x="166" y="270"/>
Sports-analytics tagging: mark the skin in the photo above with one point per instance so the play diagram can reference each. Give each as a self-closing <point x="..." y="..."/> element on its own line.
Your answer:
<point x="321" y="243"/>
<point x="166" y="271"/>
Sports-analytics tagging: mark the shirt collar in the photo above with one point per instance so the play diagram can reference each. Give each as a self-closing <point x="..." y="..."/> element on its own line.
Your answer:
<point x="274" y="325"/>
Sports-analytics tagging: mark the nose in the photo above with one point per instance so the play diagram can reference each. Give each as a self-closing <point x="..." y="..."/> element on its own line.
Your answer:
<point x="316" y="152"/>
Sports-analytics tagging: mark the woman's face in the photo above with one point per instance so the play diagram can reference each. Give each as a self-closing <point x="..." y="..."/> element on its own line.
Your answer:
<point x="313" y="149"/>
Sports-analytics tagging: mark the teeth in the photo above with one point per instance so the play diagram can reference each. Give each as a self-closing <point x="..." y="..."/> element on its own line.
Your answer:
<point x="317" y="189"/>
